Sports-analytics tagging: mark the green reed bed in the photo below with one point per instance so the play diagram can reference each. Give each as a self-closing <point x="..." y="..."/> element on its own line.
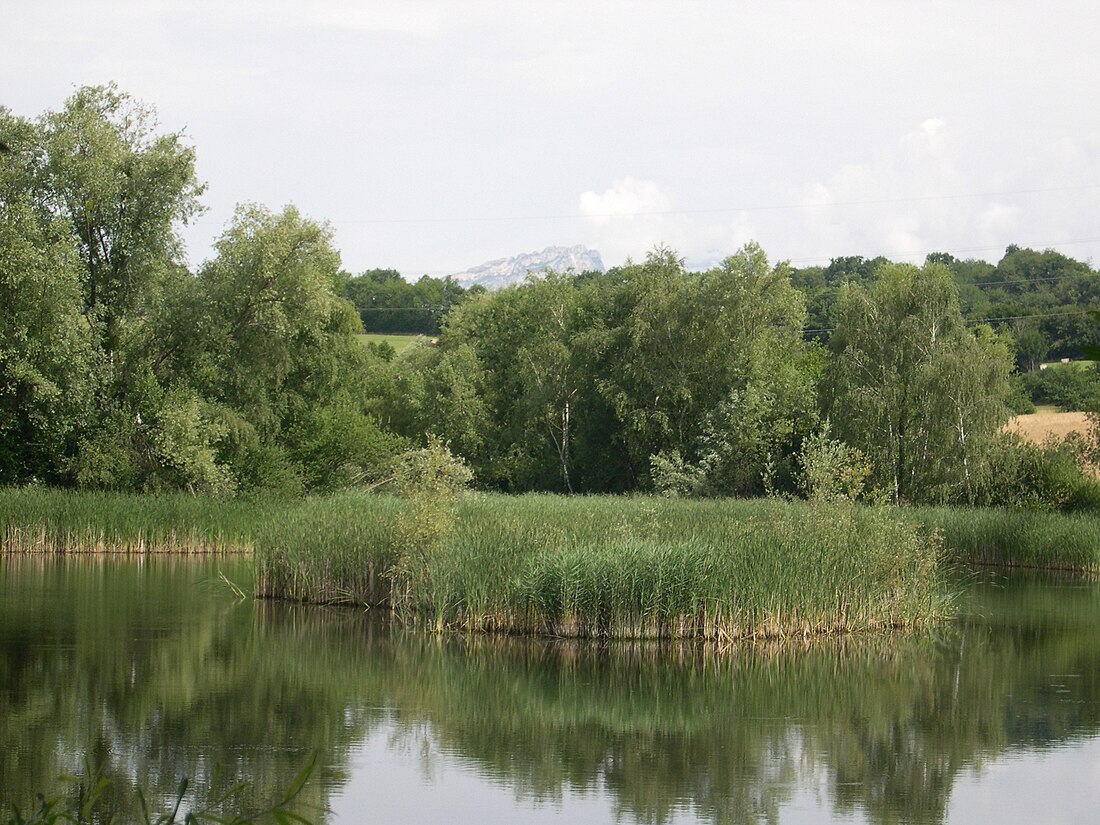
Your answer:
<point x="42" y="520"/>
<point x="614" y="567"/>
<point x="329" y="550"/>
<point x="1016" y="538"/>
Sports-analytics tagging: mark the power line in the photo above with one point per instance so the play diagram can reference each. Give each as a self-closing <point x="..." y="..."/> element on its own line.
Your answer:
<point x="984" y="320"/>
<point x="709" y="211"/>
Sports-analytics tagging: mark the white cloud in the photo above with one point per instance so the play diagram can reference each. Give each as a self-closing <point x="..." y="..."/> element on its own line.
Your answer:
<point x="628" y="197"/>
<point x="898" y="203"/>
<point x="933" y="190"/>
<point x="634" y="215"/>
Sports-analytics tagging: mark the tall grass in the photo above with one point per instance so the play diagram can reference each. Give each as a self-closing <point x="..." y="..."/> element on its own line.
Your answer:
<point x="335" y="549"/>
<point x="1016" y="537"/>
<point x="44" y="520"/>
<point x="615" y="567"/>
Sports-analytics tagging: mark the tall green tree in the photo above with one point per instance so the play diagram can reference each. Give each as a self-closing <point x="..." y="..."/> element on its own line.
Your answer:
<point x="711" y="369"/>
<point x="124" y="190"/>
<point x="912" y="387"/>
<point x="265" y="339"/>
<point x="46" y="346"/>
<point x="524" y="337"/>
<point x="99" y="195"/>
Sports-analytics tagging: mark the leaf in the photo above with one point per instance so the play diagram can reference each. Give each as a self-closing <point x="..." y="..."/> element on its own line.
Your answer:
<point x="300" y="780"/>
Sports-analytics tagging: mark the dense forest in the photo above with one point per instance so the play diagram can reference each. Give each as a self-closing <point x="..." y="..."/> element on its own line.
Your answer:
<point x="120" y="368"/>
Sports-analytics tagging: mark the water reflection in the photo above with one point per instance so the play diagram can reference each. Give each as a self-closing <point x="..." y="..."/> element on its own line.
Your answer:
<point x="155" y="672"/>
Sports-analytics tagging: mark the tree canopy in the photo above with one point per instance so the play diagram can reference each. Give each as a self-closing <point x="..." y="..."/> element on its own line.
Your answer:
<point x="121" y="367"/>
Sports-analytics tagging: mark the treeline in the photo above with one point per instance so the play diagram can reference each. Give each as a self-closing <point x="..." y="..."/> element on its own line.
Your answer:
<point x="1039" y="298"/>
<point x="387" y="303"/>
<point x="122" y="369"/>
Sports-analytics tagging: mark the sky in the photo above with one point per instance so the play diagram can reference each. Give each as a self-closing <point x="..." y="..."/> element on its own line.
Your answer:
<point x="434" y="136"/>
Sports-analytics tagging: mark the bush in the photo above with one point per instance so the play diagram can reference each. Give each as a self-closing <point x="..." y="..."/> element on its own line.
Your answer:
<point x="1044" y="477"/>
<point x="1018" y="399"/>
<point x="1067" y="386"/>
<point x="832" y="470"/>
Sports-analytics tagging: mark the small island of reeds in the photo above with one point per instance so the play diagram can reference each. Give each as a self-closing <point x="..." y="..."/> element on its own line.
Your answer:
<point x="637" y="567"/>
<point x="581" y="566"/>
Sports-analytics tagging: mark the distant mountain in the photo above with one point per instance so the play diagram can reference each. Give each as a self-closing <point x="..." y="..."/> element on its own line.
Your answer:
<point x="505" y="271"/>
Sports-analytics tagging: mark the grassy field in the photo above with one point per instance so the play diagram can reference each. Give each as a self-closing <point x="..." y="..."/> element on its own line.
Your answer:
<point x="1046" y="423"/>
<point x="398" y="342"/>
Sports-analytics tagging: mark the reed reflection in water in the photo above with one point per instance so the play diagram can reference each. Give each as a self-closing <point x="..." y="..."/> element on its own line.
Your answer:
<point x="155" y="671"/>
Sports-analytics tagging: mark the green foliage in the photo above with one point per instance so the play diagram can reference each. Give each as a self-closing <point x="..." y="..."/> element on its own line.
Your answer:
<point x="1031" y="476"/>
<point x="631" y="567"/>
<point x="1018" y="400"/>
<point x="432" y="472"/>
<point x="1070" y="387"/>
<point x="119" y="369"/>
<point x="277" y="348"/>
<point x="1036" y="296"/>
<point x="1031" y="349"/>
<point x="47" y="358"/>
<point x="521" y="348"/>
<point x="123" y="189"/>
<point x="831" y="470"/>
<point x="430" y="480"/>
<point x="671" y="476"/>
<point x="920" y="394"/>
<point x="583" y="380"/>
<point x="387" y="303"/>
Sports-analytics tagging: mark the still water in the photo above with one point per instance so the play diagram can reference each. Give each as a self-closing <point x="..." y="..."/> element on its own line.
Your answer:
<point x="153" y="671"/>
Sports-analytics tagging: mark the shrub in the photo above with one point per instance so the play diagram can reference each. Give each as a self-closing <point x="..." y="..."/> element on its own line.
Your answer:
<point x="1046" y="477"/>
<point x="1067" y="386"/>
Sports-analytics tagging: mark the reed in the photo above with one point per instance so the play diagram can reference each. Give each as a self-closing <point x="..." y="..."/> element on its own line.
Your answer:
<point x="615" y="567"/>
<point x="1016" y="537"/>
<point x="37" y="520"/>
<point x="329" y="550"/>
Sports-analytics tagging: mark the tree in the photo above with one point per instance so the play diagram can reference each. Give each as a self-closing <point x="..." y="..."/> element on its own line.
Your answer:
<point x="711" y="369"/>
<point x="123" y="189"/>
<point x="100" y="197"/>
<point x="1031" y="349"/>
<point x="524" y="339"/>
<point x="264" y="338"/>
<point x="912" y="387"/>
<point x="46" y="346"/>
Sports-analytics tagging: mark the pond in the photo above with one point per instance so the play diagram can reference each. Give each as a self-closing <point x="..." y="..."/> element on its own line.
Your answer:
<point x="153" y="670"/>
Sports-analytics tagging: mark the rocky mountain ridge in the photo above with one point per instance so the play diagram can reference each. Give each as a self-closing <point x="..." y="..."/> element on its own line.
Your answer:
<point x="505" y="271"/>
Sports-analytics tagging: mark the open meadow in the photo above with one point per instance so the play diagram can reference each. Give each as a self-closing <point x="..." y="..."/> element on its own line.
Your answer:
<point x="1046" y="423"/>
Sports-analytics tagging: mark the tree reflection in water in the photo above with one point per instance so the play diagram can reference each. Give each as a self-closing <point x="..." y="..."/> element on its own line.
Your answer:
<point x="153" y="672"/>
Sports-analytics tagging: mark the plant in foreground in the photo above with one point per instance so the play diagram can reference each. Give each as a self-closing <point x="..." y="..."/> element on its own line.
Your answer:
<point x="84" y="806"/>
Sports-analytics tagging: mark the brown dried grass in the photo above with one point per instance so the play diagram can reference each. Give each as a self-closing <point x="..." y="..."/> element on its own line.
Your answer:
<point x="1039" y="426"/>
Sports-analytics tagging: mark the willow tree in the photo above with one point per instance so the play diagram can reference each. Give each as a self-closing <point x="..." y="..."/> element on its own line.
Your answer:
<point x="46" y="362"/>
<point x="93" y="198"/>
<point x="912" y="386"/>
<point x="274" y="352"/>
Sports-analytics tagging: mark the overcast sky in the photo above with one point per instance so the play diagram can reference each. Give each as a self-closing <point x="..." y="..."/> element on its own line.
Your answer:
<point x="434" y="136"/>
